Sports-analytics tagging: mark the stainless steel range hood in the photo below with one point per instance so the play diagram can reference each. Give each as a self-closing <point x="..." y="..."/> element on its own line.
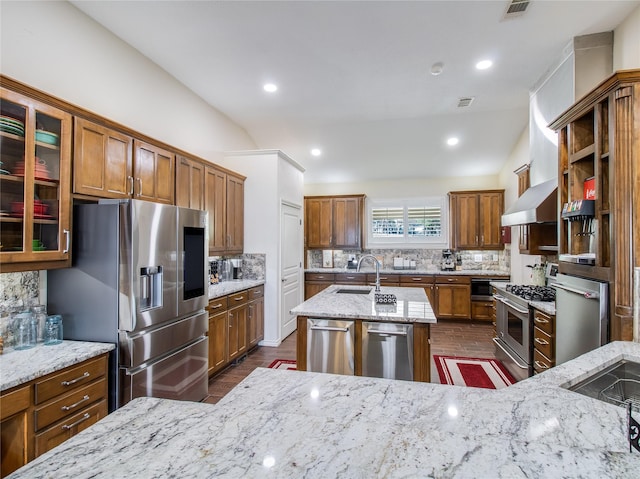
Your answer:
<point x="539" y="204"/>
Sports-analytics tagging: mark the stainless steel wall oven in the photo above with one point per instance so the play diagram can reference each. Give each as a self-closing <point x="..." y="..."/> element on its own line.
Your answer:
<point x="514" y="328"/>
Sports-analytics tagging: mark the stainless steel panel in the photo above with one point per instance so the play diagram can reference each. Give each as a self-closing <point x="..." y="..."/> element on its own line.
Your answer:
<point x="582" y="317"/>
<point x="192" y="219"/>
<point x="387" y="350"/>
<point x="330" y="346"/>
<point x="138" y="348"/>
<point x="514" y="364"/>
<point x="182" y="376"/>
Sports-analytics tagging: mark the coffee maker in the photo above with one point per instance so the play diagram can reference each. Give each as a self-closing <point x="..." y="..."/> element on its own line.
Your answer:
<point x="448" y="261"/>
<point x="236" y="268"/>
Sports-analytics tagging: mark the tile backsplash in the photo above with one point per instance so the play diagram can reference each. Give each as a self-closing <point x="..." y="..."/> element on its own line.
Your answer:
<point x="20" y="289"/>
<point x="425" y="259"/>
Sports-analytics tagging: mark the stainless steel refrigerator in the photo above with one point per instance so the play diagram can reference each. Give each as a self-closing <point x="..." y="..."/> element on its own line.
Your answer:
<point x="139" y="280"/>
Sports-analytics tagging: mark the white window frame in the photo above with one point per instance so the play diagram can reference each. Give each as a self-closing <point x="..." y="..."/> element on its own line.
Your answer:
<point x="406" y="241"/>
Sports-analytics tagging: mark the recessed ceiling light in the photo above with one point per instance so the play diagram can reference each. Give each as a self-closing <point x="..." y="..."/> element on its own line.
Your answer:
<point x="453" y="141"/>
<point x="484" y="64"/>
<point x="436" y="68"/>
<point x="316" y="151"/>
<point x="270" y="87"/>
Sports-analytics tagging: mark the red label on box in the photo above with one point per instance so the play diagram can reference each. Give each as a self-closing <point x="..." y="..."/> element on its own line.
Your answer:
<point x="590" y="188"/>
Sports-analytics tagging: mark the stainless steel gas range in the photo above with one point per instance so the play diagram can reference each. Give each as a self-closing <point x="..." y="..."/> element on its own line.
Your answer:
<point x="514" y="326"/>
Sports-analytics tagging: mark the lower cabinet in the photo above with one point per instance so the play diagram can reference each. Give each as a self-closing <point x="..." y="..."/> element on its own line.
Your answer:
<point x="544" y="342"/>
<point x="236" y="324"/>
<point x="453" y="297"/>
<point x="40" y="415"/>
<point x="316" y="282"/>
<point x="482" y="311"/>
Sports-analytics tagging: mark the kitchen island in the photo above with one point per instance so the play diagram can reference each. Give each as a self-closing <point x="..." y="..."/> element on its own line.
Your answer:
<point x="358" y="304"/>
<point x="288" y="424"/>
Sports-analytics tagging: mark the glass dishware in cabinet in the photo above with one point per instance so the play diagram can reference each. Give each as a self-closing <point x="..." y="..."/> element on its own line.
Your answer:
<point x="35" y="197"/>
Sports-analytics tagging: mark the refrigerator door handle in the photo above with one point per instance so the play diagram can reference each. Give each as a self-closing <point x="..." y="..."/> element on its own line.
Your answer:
<point x="586" y="294"/>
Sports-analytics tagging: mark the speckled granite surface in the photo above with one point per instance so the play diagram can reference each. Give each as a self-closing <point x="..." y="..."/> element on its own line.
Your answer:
<point x="230" y="287"/>
<point x="412" y="305"/>
<point x="19" y="367"/>
<point x="290" y="424"/>
<point x="464" y="272"/>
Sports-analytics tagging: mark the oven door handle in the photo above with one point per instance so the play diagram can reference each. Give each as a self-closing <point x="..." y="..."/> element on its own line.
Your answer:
<point x="586" y="294"/>
<point x="516" y="360"/>
<point x="505" y="301"/>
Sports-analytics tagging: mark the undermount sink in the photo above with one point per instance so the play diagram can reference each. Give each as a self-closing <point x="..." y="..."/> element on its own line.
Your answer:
<point x="618" y="384"/>
<point x="353" y="291"/>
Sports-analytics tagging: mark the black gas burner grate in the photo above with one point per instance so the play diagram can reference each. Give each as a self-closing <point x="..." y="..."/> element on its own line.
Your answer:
<point x="532" y="293"/>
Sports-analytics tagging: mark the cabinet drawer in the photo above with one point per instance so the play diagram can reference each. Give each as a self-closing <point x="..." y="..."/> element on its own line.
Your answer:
<point x="13" y="402"/>
<point x="482" y="310"/>
<point x="544" y="321"/>
<point x="351" y="278"/>
<point x="216" y="305"/>
<point x="384" y="279"/>
<point x="544" y="343"/>
<point x="256" y="293"/>
<point x="320" y="277"/>
<point x="238" y="299"/>
<point x="70" y="403"/>
<point x="541" y="362"/>
<point x="453" y="280"/>
<point x="70" y="379"/>
<point x="69" y="427"/>
<point x="416" y="279"/>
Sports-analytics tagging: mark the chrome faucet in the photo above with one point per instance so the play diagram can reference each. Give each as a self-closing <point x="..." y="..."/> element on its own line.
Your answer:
<point x="377" y="263"/>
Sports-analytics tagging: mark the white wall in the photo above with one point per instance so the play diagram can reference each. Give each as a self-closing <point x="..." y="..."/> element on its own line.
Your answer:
<point x="56" y="48"/>
<point x="626" y="43"/>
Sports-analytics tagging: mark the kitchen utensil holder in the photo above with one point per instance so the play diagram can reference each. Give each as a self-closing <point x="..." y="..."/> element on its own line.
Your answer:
<point x="385" y="298"/>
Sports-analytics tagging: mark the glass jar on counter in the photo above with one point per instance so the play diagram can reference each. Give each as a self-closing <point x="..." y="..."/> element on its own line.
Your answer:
<point x="53" y="330"/>
<point x="40" y="313"/>
<point x="25" y="330"/>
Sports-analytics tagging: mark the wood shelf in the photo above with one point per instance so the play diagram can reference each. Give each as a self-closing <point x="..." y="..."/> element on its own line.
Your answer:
<point x="582" y="154"/>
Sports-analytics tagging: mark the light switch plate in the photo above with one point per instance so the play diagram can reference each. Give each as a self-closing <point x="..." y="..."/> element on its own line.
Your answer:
<point x="477" y="257"/>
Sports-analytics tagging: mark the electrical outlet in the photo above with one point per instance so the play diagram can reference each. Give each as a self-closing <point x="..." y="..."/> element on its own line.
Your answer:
<point x="494" y="257"/>
<point x="477" y="258"/>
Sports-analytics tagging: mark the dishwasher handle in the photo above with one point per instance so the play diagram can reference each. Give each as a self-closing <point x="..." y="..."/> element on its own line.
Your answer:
<point x="586" y="294"/>
<point x="329" y="328"/>
<point x="387" y="333"/>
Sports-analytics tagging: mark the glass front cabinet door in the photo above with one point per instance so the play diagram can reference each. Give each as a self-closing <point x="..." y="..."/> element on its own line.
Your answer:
<point x="35" y="175"/>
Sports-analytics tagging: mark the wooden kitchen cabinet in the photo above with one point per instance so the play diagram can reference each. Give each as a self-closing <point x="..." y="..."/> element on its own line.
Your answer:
<point x="482" y="311"/>
<point x="453" y="297"/>
<point x="334" y="222"/>
<point x="35" y="187"/>
<point x="218" y="334"/>
<point x="224" y="200"/>
<point x="316" y="282"/>
<point x="154" y="173"/>
<point x="426" y="281"/>
<point x="476" y="219"/>
<point x="40" y="415"/>
<point x="544" y="343"/>
<point x="190" y="183"/>
<point x="599" y="137"/>
<point x="238" y="315"/>
<point x="255" y="317"/>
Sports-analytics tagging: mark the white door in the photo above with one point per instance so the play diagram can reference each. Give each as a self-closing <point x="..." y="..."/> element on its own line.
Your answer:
<point x="290" y="266"/>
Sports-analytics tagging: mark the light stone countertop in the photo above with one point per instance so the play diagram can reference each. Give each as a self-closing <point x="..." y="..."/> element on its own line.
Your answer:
<point x="412" y="305"/>
<point x="434" y="271"/>
<point x="229" y="287"/>
<point x="290" y="424"/>
<point x="19" y="367"/>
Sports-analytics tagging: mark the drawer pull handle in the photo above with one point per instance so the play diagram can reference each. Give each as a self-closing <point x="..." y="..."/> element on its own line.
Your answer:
<point x="542" y="341"/>
<point x="84" y="417"/>
<point x="73" y="381"/>
<point x="240" y="298"/>
<point x="68" y="408"/>
<point x="416" y="279"/>
<point x="540" y="320"/>
<point x="216" y="306"/>
<point x="540" y="365"/>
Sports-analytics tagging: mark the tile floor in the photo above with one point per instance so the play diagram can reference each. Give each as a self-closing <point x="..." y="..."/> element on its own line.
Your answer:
<point x="448" y="338"/>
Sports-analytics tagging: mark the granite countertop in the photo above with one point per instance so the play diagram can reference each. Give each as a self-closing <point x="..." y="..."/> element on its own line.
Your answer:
<point x="286" y="424"/>
<point x="434" y="271"/>
<point x="19" y="367"/>
<point x="229" y="287"/>
<point x="412" y="305"/>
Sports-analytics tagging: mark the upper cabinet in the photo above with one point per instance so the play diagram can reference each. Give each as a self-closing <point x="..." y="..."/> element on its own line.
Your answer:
<point x="190" y="183"/>
<point x="110" y="164"/>
<point x="475" y="219"/>
<point x="598" y="177"/>
<point x="334" y="221"/>
<point x="35" y="184"/>
<point x="224" y="200"/>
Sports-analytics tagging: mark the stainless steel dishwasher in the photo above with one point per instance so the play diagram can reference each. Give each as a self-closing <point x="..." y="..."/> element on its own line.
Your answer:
<point x="330" y="346"/>
<point x="387" y="350"/>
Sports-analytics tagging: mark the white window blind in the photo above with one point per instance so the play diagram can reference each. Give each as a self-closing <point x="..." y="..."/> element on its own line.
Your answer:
<point x="407" y="222"/>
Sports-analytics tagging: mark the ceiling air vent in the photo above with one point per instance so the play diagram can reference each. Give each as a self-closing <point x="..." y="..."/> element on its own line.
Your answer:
<point x="464" y="102"/>
<point x="516" y="8"/>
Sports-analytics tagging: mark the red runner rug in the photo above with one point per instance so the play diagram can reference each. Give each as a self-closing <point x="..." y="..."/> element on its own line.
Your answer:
<point x="472" y="372"/>
<point x="289" y="364"/>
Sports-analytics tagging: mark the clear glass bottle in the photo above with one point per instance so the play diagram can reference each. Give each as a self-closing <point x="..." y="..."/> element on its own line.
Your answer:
<point x="40" y="313"/>
<point x="53" y="330"/>
<point x="25" y="330"/>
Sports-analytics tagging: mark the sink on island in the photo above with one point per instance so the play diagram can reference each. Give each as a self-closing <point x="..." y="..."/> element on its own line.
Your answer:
<point x="358" y="305"/>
